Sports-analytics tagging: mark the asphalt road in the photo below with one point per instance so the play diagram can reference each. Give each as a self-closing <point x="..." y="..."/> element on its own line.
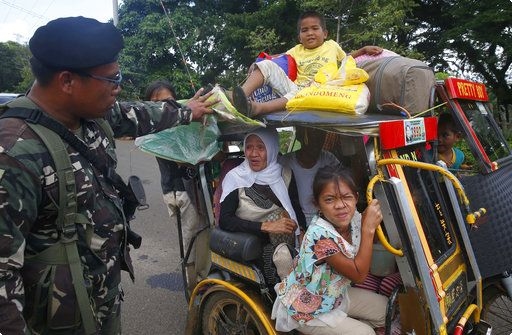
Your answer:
<point x="155" y="303"/>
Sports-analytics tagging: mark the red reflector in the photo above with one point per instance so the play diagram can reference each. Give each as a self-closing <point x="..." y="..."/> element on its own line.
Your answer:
<point x="435" y="286"/>
<point x="397" y="134"/>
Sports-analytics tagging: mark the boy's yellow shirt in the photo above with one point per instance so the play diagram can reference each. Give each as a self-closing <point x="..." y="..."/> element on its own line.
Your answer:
<point x="309" y="61"/>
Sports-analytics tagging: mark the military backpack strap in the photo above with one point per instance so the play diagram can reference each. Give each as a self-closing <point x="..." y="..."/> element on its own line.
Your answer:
<point x="36" y="116"/>
<point x="66" y="221"/>
<point x="66" y="251"/>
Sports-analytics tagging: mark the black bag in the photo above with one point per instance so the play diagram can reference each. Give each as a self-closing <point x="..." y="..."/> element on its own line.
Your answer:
<point x="238" y="246"/>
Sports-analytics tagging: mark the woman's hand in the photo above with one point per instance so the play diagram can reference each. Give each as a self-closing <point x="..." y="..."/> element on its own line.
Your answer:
<point x="372" y="216"/>
<point x="281" y="226"/>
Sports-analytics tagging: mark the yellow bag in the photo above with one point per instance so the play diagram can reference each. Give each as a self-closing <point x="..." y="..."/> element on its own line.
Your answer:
<point x="335" y="90"/>
<point x="354" y="76"/>
<point x="349" y="99"/>
<point x="347" y="74"/>
<point x="326" y="73"/>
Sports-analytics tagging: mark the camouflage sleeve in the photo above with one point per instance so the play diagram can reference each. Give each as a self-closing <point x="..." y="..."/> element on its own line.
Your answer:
<point x="20" y="192"/>
<point x="144" y="117"/>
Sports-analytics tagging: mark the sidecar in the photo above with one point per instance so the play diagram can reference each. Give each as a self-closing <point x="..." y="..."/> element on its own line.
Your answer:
<point x="448" y="234"/>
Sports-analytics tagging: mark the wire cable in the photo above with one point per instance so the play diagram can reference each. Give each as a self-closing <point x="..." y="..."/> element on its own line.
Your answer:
<point x="179" y="46"/>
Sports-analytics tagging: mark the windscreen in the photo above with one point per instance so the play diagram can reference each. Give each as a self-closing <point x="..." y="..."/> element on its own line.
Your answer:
<point x="478" y="115"/>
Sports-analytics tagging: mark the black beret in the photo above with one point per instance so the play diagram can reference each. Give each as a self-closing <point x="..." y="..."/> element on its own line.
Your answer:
<point x="76" y="43"/>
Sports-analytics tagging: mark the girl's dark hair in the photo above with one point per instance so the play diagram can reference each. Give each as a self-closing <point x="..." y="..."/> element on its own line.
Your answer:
<point x="157" y="85"/>
<point x="447" y="120"/>
<point x="313" y="14"/>
<point x="329" y="174"/>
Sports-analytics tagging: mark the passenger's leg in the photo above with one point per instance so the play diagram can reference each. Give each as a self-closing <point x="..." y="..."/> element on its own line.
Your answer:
<point x="276" y="78"/>
<point x="254" y="81"/>
<point x="178" y="201"/>
<point x="367" y="310"/>
<point x="172" y="207"/>
<point x="269" y="73"/>
<point x="367" y="306"/>
<point x="191" y="224"/>
<point x="271" y="106"/>
<point x="170" y="201"/>
<point x="345" y="326"/>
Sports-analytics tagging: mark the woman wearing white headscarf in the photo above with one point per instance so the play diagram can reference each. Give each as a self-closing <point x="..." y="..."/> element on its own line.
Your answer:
<point x="260" y="196"/>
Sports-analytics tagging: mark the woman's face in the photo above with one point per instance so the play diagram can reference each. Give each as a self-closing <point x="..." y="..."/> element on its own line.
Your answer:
<point x="337" y="202"/>
<point x="161" y="94"/>
<point x="255" y="153"/>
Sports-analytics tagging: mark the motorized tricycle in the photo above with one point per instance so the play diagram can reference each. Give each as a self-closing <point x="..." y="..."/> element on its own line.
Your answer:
<point x="448" y="233"/>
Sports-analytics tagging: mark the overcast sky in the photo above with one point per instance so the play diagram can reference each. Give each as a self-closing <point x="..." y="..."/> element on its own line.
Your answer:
<point x="20" y="18"/>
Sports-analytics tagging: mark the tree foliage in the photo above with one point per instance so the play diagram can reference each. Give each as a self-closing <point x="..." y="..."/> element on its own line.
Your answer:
<point x="14" y="69"/>
<point x="193" y="43"/>
<point x="470" y="38"/>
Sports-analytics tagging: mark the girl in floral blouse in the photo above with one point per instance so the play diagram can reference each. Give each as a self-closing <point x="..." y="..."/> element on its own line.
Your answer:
<point x="317" y="296"/>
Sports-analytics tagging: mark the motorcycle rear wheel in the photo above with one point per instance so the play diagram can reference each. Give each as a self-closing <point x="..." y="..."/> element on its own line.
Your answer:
<point x="226" y="313"/>
<point x="497" y="310"/>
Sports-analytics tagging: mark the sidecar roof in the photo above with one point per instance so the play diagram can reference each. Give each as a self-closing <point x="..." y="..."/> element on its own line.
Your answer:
<point x="366" y="124"/>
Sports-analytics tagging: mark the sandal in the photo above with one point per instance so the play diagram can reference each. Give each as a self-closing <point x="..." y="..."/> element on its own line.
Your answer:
<point x="241" y="103"/>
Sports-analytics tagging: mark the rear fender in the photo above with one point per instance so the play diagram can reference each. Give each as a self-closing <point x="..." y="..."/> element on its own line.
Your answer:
<point x="207" y="287"/>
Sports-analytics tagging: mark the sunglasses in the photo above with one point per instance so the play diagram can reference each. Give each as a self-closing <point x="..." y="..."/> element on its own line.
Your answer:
<point x="116" y="80"/>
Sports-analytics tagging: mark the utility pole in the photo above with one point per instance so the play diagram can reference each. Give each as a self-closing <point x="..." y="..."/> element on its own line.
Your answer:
<point x="115" y="15"/>
<point x="338" y="27"/>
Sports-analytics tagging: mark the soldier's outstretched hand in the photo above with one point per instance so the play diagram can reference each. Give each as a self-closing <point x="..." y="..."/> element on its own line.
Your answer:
<point x="200" y="105"/>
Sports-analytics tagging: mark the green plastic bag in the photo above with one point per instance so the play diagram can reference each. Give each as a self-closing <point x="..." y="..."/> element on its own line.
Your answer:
<point x="197" y="142"/>
<point x="230" y="121"/>
<point x="192" y="144"/>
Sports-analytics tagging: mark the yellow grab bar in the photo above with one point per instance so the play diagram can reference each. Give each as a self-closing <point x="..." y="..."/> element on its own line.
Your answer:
<point x="380" y="234"/>
<point x="471" y="216"/>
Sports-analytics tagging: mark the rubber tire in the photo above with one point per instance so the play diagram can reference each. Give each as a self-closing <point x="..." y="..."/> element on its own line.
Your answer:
<point x="497" y="310"/>
<point x="393" y="308"/>
<point x="228" y="310"/>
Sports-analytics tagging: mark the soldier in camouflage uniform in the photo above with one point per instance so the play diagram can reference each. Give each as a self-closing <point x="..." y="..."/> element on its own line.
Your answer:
<point x="77" y="80"/>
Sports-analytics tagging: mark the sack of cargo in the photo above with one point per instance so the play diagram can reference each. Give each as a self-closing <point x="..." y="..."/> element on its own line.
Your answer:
<point x="399" y="84"/>
<point x="335" y="90"/>
<point x="349" y="99"/>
